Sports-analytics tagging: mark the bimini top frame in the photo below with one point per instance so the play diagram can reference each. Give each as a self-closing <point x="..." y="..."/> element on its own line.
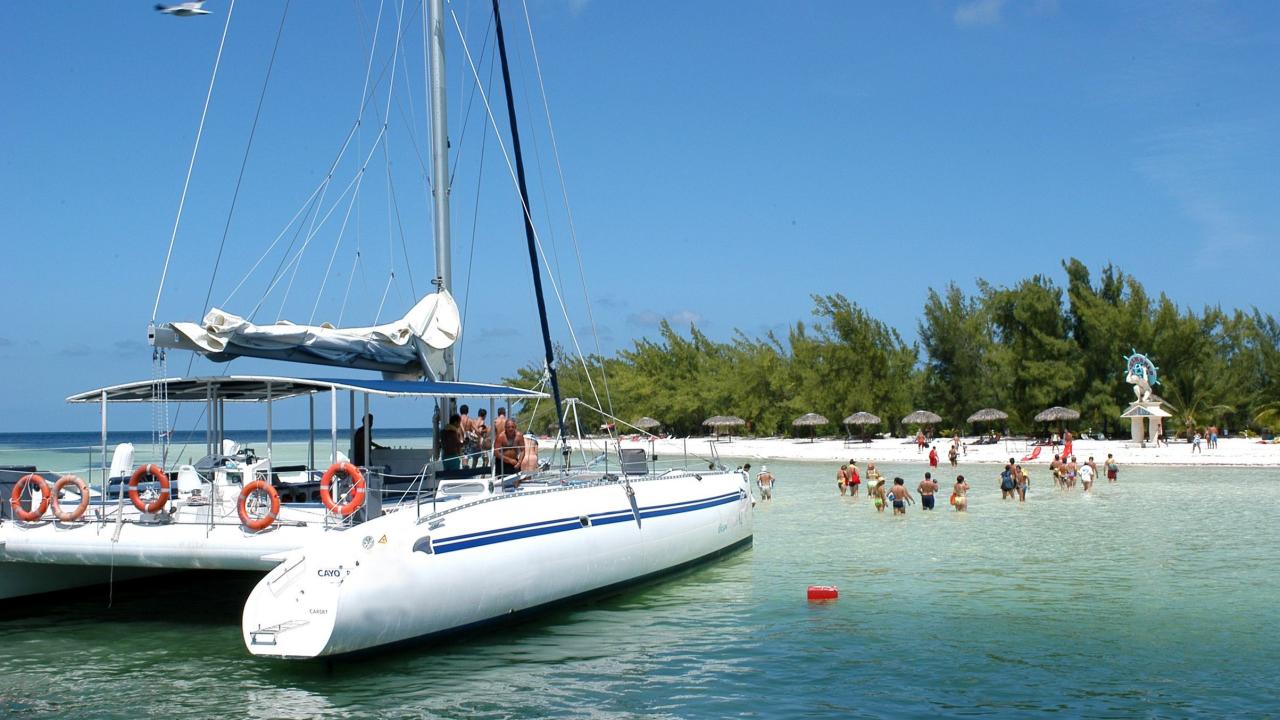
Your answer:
<point x="261" y="388"/>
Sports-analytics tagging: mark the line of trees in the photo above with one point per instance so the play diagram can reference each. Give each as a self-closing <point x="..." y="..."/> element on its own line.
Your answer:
<point x="1020" y="349"/>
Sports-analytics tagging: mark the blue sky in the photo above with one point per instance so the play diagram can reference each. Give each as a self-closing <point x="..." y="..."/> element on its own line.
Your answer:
<point x="724" y="161"/>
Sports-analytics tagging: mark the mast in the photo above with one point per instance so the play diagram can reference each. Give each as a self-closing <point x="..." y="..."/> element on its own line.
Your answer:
<point x="528" y="228"/>
<point x="440" y="165"/>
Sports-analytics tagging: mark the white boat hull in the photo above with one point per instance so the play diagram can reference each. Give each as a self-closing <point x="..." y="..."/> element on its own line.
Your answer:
<point x="398" y="578"/>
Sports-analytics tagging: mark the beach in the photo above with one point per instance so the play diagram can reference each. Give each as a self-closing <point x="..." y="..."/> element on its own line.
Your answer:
<point x="1231" y="452"/>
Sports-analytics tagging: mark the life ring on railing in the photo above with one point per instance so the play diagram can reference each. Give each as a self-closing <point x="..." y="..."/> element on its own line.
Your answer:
<point x="16" y="498"/>
<point x="81" y="487"/>
<point x="242" y="507"/>
<point x="357" y="488"/>
<point x="149" y="471"/>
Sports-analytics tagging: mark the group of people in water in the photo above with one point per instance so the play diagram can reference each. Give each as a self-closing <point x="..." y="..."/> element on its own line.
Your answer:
<point x="896" y="495"/>
<point x="1014" y="482"/>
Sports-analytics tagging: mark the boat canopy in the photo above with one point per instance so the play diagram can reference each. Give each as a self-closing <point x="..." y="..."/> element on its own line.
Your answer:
<point x="410" y="347"/>
<point x="259" y="388"/>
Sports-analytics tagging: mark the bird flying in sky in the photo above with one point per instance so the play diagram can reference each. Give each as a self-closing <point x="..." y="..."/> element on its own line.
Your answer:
<point x="186" y="9"/>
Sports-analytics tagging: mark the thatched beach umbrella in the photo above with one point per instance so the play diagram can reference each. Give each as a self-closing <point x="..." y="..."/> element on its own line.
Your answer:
<point x="812" y="421"/>
<point x="922" y="417"/>
<point x="723" y="421"/>
<point x="864" y="419"/>
<point x="1057" y="414"/>
<point x="988" y="415"/>
<point x="647" y="423"/>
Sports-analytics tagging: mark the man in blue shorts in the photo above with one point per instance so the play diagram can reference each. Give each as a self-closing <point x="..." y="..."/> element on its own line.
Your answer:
<point x="927" y="488"/>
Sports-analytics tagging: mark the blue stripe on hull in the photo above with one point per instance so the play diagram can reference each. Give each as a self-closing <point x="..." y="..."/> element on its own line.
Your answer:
<point x="548" y="527"/>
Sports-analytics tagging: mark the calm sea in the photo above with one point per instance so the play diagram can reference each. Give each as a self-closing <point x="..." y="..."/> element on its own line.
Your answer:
<point x="1155" y="597"/>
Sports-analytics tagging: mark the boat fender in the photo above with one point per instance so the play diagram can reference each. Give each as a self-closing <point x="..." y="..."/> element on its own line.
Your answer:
<point x="152" y="471"/>
<point x="78" y="512"/>
<point x="20" y="487"/>
<point x="242" y="507"/>
<point x="357" y="492"/>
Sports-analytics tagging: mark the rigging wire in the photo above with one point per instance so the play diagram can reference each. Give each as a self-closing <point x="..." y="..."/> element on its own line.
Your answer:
<point x="475" y="222"/>
<point x="564" y="191"/>
<point x="244" y="162"/>
<point x="537" y="240"/>
<point x="155" y="309"/>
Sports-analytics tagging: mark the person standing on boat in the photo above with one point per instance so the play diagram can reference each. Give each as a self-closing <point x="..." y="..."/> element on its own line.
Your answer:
<point x="485" y="440"/>
<point x="451" y="443"/>
<point x="510" y="448"/>
<point x="362" y="436"/>
<point x="765" y="481"/>
<point x="470" y="440"/>
<point x="529" y="461"/>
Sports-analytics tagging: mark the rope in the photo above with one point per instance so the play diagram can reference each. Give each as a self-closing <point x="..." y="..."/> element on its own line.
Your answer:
<point x="244" y="163"/>
<point x="155" y="309"/>
<point x="564" y="192"/>
<point x="537" y="240"/>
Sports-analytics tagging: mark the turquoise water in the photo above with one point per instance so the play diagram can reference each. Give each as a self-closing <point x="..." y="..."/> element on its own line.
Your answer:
<point x="1154" y="597"/>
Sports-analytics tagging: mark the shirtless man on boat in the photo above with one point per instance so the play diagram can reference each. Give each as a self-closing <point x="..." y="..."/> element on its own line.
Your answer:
<point x="510" y="447"/>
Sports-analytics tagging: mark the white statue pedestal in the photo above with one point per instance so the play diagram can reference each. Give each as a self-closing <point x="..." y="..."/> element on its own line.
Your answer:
<point x="1147" y="420"/>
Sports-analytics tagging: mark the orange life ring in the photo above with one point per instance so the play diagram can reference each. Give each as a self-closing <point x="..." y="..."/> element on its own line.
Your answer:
<point x="81" y="487"/>
<point x="16" y="498"/>
<point x="242" y="507"/>
<point x="155" y="472"/>
<point x="357" y="482"/>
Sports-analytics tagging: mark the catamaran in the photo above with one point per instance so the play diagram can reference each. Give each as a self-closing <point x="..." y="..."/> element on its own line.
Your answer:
<point x="396" y="548"/>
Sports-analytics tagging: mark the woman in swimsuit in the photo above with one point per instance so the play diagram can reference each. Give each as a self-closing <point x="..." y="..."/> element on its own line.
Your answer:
<point x="1022" y="479"/>
<point x="959" y="494"/>
<point x="842" y="477"/>
<point x="878" y="495"/>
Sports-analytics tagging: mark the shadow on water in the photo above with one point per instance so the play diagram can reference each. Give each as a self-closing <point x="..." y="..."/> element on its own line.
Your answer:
<point x="219" y="595"/>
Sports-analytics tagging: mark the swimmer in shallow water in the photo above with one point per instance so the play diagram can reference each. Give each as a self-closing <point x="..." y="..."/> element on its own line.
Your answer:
<point x="900" y="496"/>
<point x="960" y="494"/>
<point x="878" y="495"/>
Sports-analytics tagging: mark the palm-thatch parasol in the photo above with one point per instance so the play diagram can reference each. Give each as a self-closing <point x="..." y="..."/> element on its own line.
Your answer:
<point x="647" y="423"/>
<point x="864" y="419"/>
<point x="812" y="421"/>
<point x="988" y="415"/>
<point x="921" y="417"/>
<point x="1057" y="414"/>
<point x="723" y="421"/>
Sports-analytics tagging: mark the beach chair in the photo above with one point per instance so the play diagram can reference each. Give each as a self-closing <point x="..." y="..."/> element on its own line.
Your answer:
<point x="1035" y="453"/>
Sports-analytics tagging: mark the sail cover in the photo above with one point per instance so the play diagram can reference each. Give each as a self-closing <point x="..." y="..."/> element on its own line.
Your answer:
<point x="412" y="346"/>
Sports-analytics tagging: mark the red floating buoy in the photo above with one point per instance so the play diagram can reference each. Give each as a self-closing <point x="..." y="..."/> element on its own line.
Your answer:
<point x="823" y="592"/>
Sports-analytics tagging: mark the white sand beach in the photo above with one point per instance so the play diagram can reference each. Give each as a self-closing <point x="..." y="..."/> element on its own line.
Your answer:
<point x="1230" y="451"/>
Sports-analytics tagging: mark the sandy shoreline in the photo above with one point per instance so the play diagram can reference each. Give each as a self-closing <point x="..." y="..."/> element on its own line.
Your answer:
<point x="1230" y="451"/>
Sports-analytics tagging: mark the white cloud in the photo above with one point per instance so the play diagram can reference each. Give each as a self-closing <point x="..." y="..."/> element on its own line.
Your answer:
<point x="979" y="13"/>
<point x="679" y="318"/>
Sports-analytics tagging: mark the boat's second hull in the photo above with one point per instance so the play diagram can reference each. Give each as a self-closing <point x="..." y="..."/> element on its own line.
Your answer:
<point x="395" y="579"/>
